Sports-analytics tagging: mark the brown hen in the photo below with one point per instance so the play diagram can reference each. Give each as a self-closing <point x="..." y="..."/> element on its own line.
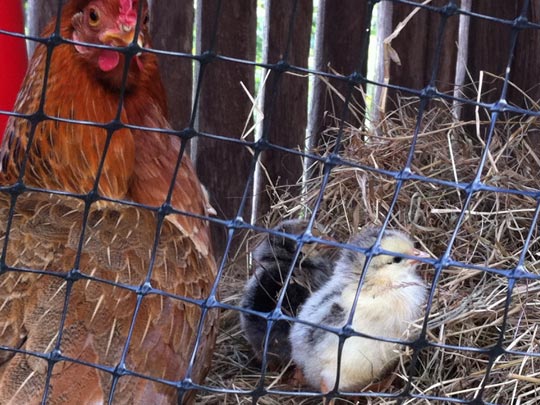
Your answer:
<point x="50" y="303"/>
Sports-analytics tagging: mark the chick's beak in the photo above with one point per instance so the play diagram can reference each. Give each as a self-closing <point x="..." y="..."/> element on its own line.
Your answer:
<point x="419" y="254"/>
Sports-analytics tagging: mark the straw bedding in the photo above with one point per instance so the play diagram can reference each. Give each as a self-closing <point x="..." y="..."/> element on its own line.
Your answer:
<point x="469" y="305"/>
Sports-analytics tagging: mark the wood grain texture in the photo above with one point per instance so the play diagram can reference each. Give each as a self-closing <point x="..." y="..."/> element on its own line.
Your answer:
<point x="340" y="34"/>
<point x="285" y="97"/>
<point x="224" y="107"/>
<point x="525" y="67"/>
<point x="489" y="49"/>
<point x="489" y="44"/>
<point x="416" y="47"/>
<point x="172" y="30"/>
<point x="40" y="12"/>
<point x="526" y="62"/>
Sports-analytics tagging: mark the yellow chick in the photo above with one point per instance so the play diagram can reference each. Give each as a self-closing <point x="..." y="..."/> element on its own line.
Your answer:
<point x="391" y="298"/>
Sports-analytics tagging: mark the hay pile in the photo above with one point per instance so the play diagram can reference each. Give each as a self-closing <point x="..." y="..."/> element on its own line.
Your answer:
<point x="469" y="304"/>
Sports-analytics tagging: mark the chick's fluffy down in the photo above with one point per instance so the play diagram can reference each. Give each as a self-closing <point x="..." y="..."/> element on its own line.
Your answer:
<point x="390" y="300"/>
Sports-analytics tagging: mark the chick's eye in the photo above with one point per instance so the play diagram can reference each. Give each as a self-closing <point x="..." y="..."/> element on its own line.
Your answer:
<point x="397" y="259"/>
<point x="94" y="17"/>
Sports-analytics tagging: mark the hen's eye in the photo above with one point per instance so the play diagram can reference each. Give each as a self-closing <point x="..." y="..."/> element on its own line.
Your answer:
<point x="397" y="259"/>
<point x="146" y="19"/>
<point x="94" y="17"/>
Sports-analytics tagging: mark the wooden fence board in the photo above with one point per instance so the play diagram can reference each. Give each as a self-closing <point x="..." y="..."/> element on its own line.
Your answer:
<point x="525" y="67"/>
<point x="416" y="48"/>
<point x="285" y="100"/>
<point x="340" y="34"/>
<point x="526" y="63"/>
<point x="224" y="107"/>
<point x="172" y="30"/>
<point x="489" y="44"/>
<point x="40" y="13"/>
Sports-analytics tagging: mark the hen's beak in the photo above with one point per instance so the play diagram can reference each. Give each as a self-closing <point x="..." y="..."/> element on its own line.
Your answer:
<point x="420" y="255"/>
<point x="120" y="37"/>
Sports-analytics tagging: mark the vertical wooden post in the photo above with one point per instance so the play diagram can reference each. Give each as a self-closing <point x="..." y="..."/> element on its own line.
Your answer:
<point x="40" y="12"/>
<point x="340" y="32"/>
<point x="525" y="68"/>
<point x="285" y="97"/>
<point x="526" y="63"/>
<point x="416" y="47"/>
<point x="462" y="56"/>
<point x="384" y="29"/>
<point x="172" y="30"/>
<point x="489" y="44"/>
<point x="224" y="107"/>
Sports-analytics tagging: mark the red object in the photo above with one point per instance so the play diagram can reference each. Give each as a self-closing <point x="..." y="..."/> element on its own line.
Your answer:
<point x="13" y="57"/>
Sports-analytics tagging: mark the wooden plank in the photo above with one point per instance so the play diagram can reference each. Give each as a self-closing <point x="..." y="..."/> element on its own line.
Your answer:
<point x="416" y="47"/>
<point x="340" y="35"/>
<point x="40" y="12"/>
<point x="489" y="45"/>
<point x="285" y="99"/>
<point x="172" y="30"/>
<point x="525" y="68"/>
<point x="526" y="63"/>
<point x="224" y="107"/>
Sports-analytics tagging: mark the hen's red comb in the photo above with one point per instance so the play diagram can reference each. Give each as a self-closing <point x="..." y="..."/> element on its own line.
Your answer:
<point x="128" y="12"/>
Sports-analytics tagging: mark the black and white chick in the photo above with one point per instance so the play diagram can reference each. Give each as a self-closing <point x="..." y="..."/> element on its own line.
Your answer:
<point x="391" y="299"/>
<point x="272" y="260"/>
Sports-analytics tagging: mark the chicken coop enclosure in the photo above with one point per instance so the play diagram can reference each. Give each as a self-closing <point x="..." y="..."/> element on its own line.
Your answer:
<point x="421" y="116"/>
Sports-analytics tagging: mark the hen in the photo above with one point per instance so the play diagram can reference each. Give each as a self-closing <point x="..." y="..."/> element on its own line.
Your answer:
<point x="98" y="297"/>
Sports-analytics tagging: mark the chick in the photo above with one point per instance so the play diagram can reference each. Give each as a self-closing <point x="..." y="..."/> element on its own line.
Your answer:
<point x="272" y="260"/>
<point x="391" y="298"/>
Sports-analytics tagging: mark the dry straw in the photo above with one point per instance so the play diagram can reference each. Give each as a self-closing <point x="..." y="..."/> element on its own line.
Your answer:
<point x="469" y="304"/>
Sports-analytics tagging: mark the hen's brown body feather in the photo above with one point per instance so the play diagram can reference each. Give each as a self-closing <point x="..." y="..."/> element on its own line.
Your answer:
<point x="117" y="246"/>
<point x="65" y="156"/>
<point x="117" y="243"/>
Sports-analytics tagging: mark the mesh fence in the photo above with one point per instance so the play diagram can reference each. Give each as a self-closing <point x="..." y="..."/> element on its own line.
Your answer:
<point x="524" y="271"/>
